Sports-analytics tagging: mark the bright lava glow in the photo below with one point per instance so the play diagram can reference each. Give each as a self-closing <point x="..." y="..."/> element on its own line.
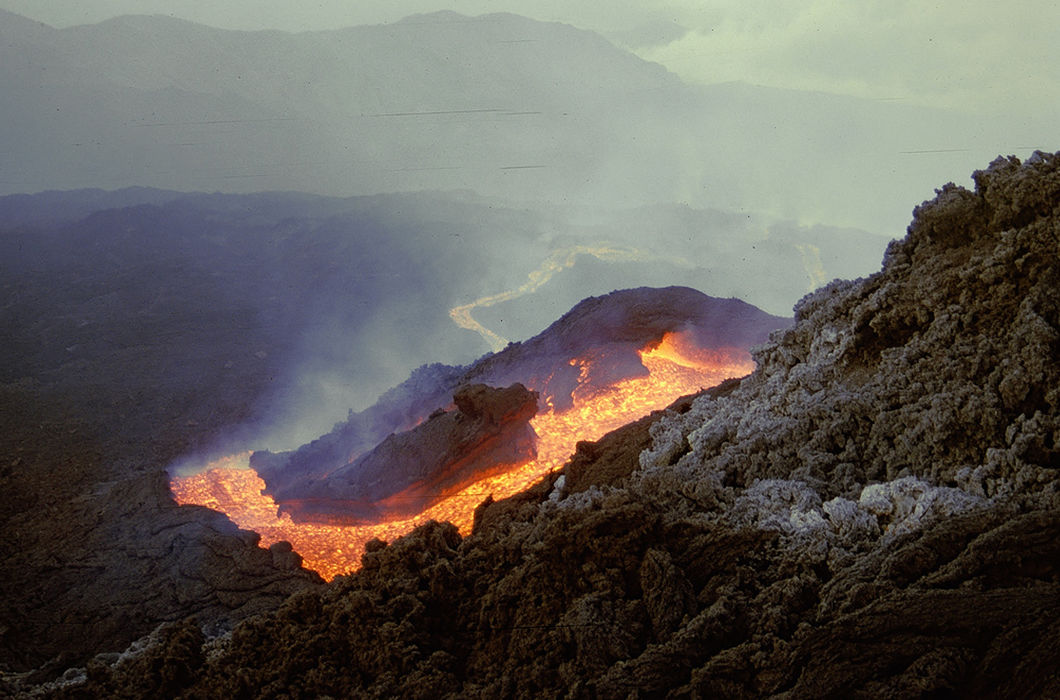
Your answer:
<point x="675" y="367"/>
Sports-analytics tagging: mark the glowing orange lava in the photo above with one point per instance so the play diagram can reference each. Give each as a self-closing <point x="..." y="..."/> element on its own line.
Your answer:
<point x="675" y="367"/>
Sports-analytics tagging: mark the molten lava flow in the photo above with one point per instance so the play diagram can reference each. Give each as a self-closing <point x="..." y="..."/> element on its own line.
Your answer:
<point x="676" y="366"/>
<point x="237" y="491"/>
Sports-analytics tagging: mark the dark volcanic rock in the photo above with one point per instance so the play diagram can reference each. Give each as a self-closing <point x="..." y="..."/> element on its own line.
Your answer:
<point x="874" y="513"/>
<point x="428" y="389"/>
<point x="91" y="564"/>
<point x="487" y="433"/>
<point x="121" y="354"/>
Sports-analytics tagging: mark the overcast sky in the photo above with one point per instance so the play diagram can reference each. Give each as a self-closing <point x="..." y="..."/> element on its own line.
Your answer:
<point x="983" y="54"/>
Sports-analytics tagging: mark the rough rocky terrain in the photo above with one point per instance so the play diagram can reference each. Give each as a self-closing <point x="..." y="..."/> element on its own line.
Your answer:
<point x="95" y="553"/>
<point x="874" y="513"/>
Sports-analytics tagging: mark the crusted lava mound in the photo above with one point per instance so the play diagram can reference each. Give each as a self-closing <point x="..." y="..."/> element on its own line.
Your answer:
<point x="487" y="432"/>
<point x="339" y="477"/>
<point x="875" y="512"/>
<point x="609" y="330"/>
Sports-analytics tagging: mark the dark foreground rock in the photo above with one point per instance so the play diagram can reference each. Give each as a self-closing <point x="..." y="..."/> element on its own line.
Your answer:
<point x="874" y="513"/>
<point x="116" y="360"/>
<point x="95" y="554"/>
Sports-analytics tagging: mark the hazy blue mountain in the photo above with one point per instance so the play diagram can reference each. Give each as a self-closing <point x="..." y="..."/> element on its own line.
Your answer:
<point x="498" y="104"/>
<point x="437" y="100"/>
<point x="67" y="206"/>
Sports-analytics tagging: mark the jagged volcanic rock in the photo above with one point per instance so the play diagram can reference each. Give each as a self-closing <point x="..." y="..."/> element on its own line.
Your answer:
<point x="874" y="513"/>
<point x="609" y="330"/>
<point x="487" y="432"/>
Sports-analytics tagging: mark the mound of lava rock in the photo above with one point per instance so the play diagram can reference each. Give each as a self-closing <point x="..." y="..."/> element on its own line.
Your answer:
<point x="486" y="432"/>
<point x="875" y="512"/>
<point x="428" y="437"/>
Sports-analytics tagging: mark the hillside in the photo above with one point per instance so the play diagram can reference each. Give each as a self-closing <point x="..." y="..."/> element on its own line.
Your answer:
<point x="145" y="327"/>
<point x="874" y="512"/>
<point x="436" y="101"/>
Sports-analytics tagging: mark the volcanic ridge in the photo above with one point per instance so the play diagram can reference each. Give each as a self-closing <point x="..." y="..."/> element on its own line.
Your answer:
<point x="874" y="512"/>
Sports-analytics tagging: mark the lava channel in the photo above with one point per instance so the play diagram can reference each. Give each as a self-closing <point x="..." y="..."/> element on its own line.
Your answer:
<point x="676" y="367"/>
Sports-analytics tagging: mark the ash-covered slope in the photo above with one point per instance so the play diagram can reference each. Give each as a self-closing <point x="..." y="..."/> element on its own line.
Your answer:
<point x="874" y="513"/>
<point x="347" y="474"/>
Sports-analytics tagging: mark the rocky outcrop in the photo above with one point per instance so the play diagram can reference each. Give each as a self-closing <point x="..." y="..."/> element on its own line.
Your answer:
<point x="486" y="433"/>
<point x="942" y="366"/>
<point x="429" y="388"/>
<point x="873" y="513"/>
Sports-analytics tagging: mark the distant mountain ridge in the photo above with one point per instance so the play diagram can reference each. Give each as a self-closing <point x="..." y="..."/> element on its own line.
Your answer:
<point x="348" y="67"/>
<point x="151" y="100"/>
<point x="499" y="104"/>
